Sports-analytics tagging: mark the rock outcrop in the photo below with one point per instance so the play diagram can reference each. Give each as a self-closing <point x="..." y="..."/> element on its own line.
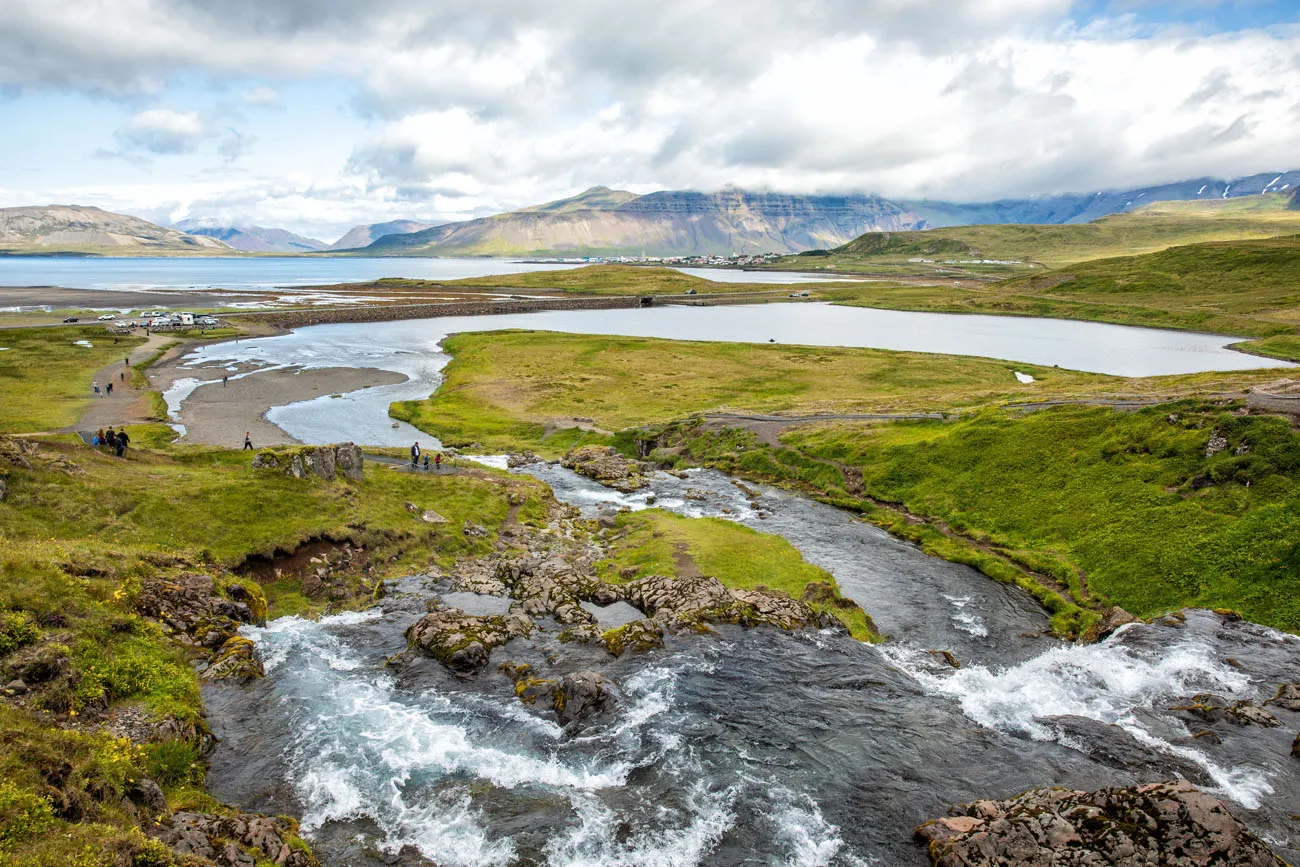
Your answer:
<point x="231" y="841"/>
<point x="605" y="465"/>
<point x="1169" y="824"/>
<point x="692" y="602"/>
<point x="463" y="642"/>
<point x="326" y="462"/>
<point x="193" y="611"/>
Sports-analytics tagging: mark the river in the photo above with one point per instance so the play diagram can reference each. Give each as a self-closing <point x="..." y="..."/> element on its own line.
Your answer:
<point x="749" y="747"/>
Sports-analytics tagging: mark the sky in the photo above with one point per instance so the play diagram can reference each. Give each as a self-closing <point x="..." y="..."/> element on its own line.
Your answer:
<point x="317" y="115"/>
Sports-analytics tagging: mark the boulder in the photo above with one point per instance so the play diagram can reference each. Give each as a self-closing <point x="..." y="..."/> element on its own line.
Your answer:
<point x="522" y="459"/>
<point x="236" y="660"/>
<point x="693" y="601"/>
<point x="1216" y="444"/>
<point x="461" y="641"/>
<point x="607" y="466"/>
<point x="1171" y="824"/>
<point x="1113" y="618"/>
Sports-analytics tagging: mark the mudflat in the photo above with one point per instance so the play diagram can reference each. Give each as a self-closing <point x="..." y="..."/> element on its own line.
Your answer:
<point x="61" y="297"/>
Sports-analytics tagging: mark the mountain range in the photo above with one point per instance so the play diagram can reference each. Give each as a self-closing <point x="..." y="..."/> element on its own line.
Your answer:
<point x="602" y="221"/>
<point x="254" y="239"/>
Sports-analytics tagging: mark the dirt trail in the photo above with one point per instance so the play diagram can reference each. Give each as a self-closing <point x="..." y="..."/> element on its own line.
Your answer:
<point x="126" y="405"/>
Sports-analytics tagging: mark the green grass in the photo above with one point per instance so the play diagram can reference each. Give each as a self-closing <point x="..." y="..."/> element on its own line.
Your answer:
<point x="508" y="390"/>
<point x="617" y="280"/>
<point x="739" y="557"/>
<point x="1149" y="229"/>
<point x="45" y="378"/>
<point x="1129" y="498"/>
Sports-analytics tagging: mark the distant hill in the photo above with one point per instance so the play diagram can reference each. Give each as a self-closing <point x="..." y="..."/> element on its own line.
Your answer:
<point x="82" y="229"/>
<point x="601" y="221"/>
<point x="362" y="236"/>
<point x="255" y="239"/>
<point x="1147" y="229"/>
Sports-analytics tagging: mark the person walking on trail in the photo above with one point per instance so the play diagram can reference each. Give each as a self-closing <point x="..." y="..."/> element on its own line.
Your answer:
<point x="96" y="384"/>
<point x="110" y="439"/>
<point x="415" y="454"/>
<point x="122" y="442"/>
<point x="126" y="362"/>
<point x="121" y="377"/>
<point x="437" y="462"/>
<point x="248" y="441"/>
<point x="108" y="389"/>
<point x="223" y="381"/>
<point x="426" y="463"/>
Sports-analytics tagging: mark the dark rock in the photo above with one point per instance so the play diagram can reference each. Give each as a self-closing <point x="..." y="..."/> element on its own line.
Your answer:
<point x="474" y="531"/>
<point x="1112" y="619"/>
<point x="1170" y="824"/>
<point x="1287" y="698"/>
<point x="463" y="642"/>
<point x="235" y="661"/>
<point x="574" y="697"/>
<point x="148" y="796"/>
<point x="637" y="636"/>
<point x="1295" y="747"/>
<point x="15" y="687"/>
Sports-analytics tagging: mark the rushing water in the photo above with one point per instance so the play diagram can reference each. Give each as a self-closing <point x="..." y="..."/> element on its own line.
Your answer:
<point x="271" y="272"/>
<point x="749" y="747"/>
<point x="412" y="347"/>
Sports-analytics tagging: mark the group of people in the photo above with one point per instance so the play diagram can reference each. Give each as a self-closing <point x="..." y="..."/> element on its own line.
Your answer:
<point x="105" y="391"/>
<point x="417" y="453"/>
<point x="117" y="441"/>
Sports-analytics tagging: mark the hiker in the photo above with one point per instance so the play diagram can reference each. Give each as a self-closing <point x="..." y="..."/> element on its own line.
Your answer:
<point x="223" y="381"/>
<point x="248" y="441"/>
<point x="108" y="389"/>
<point x="426" y="463"/>
<point x="122" y="442"/>
<point x="96" y="384"/>
<point x="121" y="377"/>
<point x="415" y="454"/>
<point x="99" y="437"/>
<point x="110" y="439"/>
<point x="126" y="362"/>
<point x="437" y="461"/>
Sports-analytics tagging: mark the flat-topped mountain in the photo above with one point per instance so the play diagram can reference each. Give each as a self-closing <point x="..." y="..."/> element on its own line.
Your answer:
<point x="80" y="228"/>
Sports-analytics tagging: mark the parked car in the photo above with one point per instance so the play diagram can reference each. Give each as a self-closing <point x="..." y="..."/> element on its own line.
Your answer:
<point x="107" y="316"/>
<point x="689" y="292"/>
<point x="71" y="319"/>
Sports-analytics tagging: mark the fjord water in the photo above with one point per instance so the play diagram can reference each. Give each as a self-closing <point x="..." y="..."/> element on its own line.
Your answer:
<point x="272" y="272"/>
<point x="412" y="347"/>
<point x="745" y="747"/>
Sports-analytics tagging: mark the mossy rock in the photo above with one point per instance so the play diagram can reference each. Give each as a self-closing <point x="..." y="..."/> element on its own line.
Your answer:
<point x="638" y="636"/>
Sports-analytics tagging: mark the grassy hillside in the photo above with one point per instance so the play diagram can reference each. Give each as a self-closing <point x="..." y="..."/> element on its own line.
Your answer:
<point x="1154" y="227"/>
<point x="1247" y="288"/>
<point x="1102" y="506"/>
<point x="605" y="280"/>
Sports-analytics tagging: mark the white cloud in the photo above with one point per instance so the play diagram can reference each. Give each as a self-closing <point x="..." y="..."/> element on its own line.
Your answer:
<point x="464" y="108"/>
<point x="163" y="131"/>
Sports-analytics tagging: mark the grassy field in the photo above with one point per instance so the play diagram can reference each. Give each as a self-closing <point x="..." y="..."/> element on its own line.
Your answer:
<point x="1144" y="230"/>
<point x="512" y="390"/>
<point x="658" y="542"/>
<point x="45" y="377"/>
<point x="1108" y="506"/>
<point x="1246" y="288"/>
<point x="622" y="280"/>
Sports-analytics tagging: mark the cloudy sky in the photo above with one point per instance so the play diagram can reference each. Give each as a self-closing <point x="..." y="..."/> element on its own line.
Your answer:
<point x="316" y="115"/>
